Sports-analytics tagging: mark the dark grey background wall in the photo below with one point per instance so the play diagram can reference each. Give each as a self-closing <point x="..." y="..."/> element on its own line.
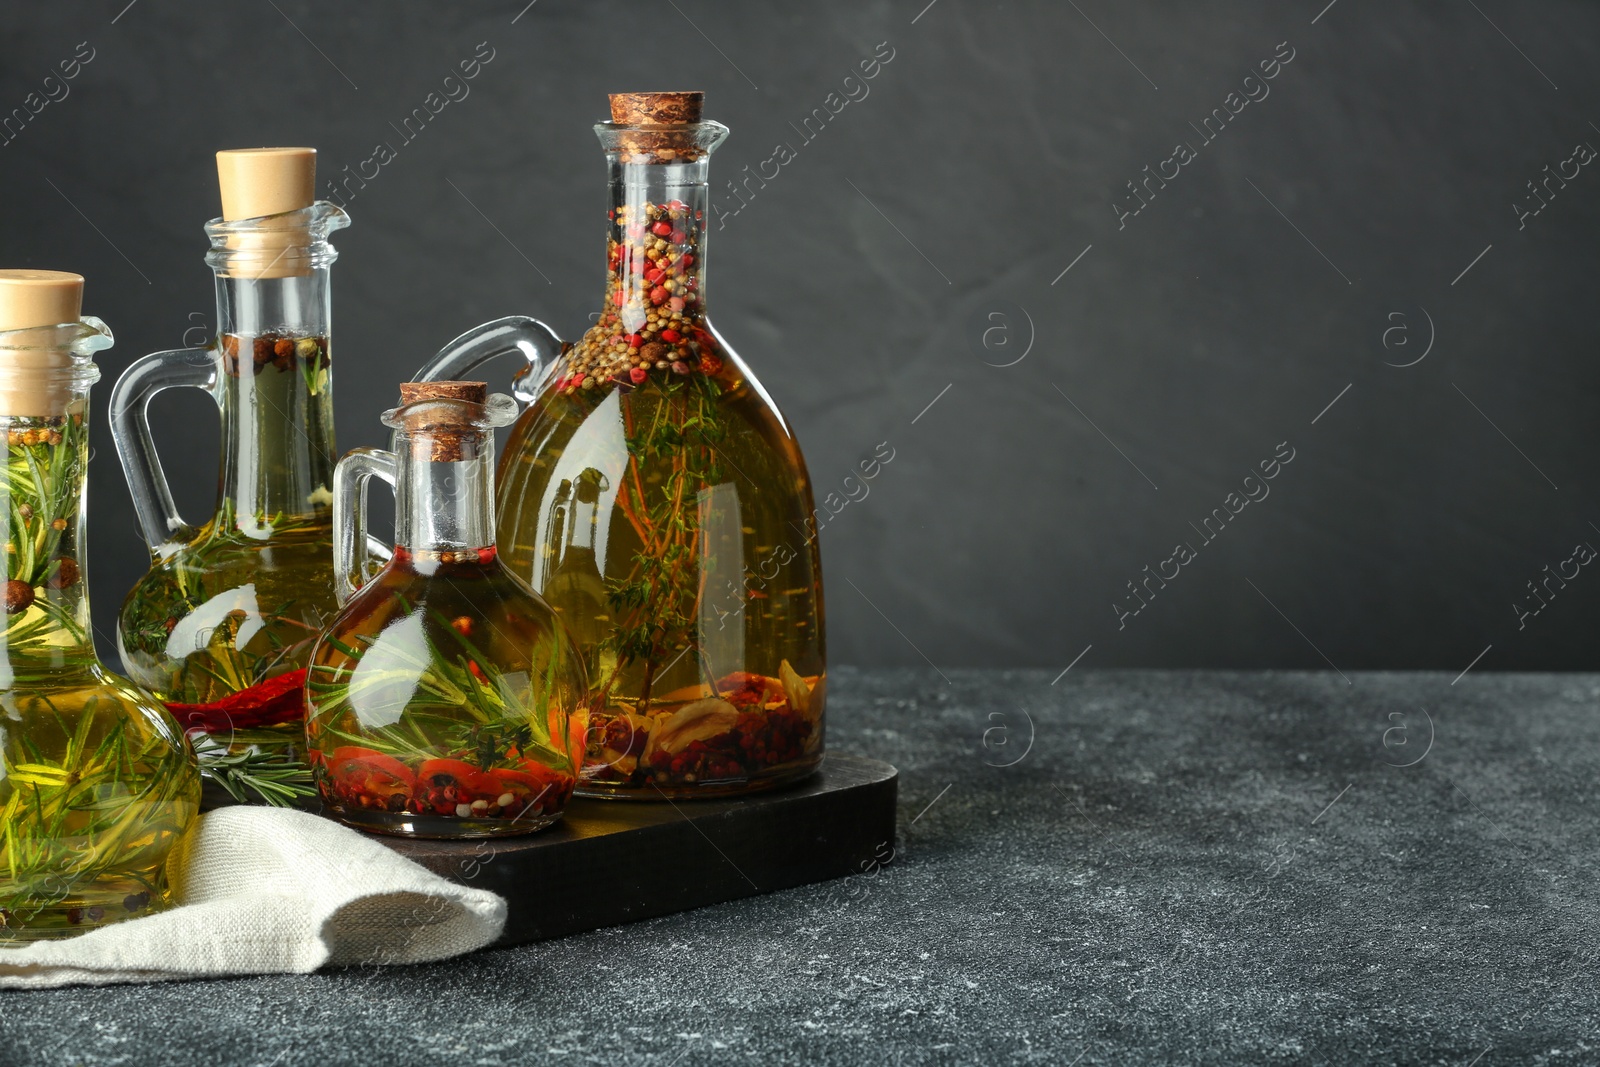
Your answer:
<point x="887" y="283"/>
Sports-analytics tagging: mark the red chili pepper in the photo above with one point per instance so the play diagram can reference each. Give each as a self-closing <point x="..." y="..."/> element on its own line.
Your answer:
<point x="577" y="379"/>
<point x="363" y="770"/>
<point x="661" y="229"/>
<point x="477" y="671"/>
<point x="269" y="703"/>
<point x="462" y="625"/>
<point x="470" y="782"/>
<point x="486" y="555"/>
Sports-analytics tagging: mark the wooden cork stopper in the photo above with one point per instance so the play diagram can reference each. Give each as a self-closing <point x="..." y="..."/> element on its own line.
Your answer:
<point x="438" y="433"/>
<point x="472" y="392"/>
<point x="258" y="182"/>
<point x="656" y="127"/>
<point x="30" y="298"/>
<point x="655" y="109"/>
<point x="31" y="379"/>
<point x="266" y="181"/>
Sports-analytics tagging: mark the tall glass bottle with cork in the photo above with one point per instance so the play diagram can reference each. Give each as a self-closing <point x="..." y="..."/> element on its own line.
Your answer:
<point x="223" y="624"/>
<point x="96" y="781"/>
<point x="656" y="497"/>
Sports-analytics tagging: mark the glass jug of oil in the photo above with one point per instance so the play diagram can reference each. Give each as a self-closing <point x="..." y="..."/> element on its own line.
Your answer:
<point x="222" y="625"/>
<point x="652" y="492"/>
<point x="96" y="780"/>
<point x="446" y="699"/>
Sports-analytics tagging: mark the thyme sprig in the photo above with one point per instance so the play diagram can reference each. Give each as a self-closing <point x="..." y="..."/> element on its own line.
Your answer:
<point x="656" y="604"/>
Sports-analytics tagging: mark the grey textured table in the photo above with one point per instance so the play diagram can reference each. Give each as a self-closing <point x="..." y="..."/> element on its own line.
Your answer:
<point x="1184" y="867"/>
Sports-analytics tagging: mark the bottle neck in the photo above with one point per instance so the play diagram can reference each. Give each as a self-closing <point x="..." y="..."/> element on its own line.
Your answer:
<point x="46" y="629"/>
<point x="656" y="243"/>
<point x="277" y="405"/>
<point x="444" y="493"/>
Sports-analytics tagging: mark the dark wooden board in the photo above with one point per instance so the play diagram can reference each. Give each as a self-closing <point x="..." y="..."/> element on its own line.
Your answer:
<point x="611" y="861"/>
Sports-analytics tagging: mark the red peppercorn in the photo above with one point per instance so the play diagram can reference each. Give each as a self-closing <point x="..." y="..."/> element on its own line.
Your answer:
<point x="676" y="303"/>
<point x="653" y="275"/>
<point x="658" y="295"/>
<point x="616" y="298"/>
<point x="687" y="261"/>
<point x="486" y="555"/>
<point x="679" y="237"/>
<point x="577" y="380"/>
<point x="671" y="336"/>
<point x="633" y="339"/>
<point x="661" y="229"/>
<point x="638" y="375"/>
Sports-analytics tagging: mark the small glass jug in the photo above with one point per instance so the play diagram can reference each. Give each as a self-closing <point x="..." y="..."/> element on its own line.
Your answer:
<point x="446" y="699"/>
<point x="96" y="780"/>
<point x="222" y="625"/>
<point x="656" y="497"/>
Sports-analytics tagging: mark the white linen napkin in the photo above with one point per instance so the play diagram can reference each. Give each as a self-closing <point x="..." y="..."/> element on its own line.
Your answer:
<point x="271" y="891"/>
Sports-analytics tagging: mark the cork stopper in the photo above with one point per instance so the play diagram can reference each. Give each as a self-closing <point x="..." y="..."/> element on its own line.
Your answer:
<point x="656" y="109"/>
<point x="444" y="433"/>
<point x="30" y="298"/>
<point x="266" y="181"/>
<point x="471" y="392"/>
<point x="657" y="127"/>
<point x="34" y="377"/>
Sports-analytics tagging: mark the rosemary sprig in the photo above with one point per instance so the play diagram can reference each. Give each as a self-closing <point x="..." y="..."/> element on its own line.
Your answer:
<point x="458" y="701"/>
<point x="274" y="777"/>
<point x="78" y="810"/>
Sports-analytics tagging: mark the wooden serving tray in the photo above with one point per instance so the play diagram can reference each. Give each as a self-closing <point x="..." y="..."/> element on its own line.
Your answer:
<point x="616" y="861"/>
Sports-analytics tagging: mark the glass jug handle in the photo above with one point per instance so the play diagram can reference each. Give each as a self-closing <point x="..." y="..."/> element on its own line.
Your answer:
<point x="163" y="528"/>
<point x="457" y="360"/>
<point x="352" y="547"/>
